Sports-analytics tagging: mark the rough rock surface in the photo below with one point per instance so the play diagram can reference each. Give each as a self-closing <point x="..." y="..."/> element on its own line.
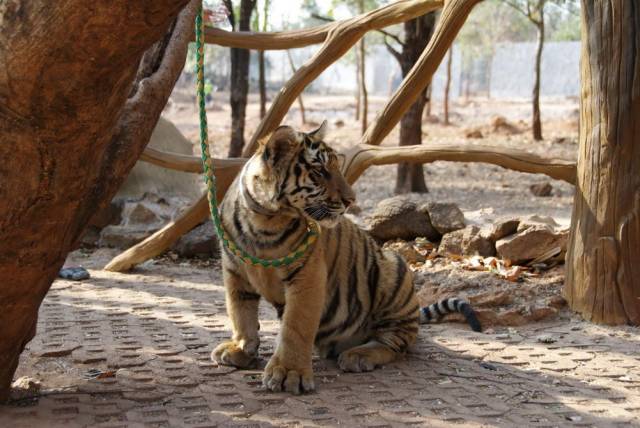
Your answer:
<point x="468" y="241"/>
<point x="146" y="177"/>
<point x="122" y="236"/>
<point x="201" y="242"/>
<point x="531" y="243"/>
<point x="399" y="218"/>
<point x="502" y="227"/>
<point x="445" y="216"/>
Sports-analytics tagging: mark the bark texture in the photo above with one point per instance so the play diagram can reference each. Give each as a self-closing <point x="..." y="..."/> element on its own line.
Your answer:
<point x="75" y="114"/>
<point x="603" y="272"/>
<point x="417" y="33"/>
<point x="240" y="61"/>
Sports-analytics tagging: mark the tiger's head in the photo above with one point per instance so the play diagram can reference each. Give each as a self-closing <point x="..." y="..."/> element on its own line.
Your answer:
<point x="298" y="172"/>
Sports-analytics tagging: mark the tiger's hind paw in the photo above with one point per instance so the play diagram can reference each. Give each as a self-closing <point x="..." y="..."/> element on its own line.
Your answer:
<point x="356" y="360"/>
<point x="231" y="354"/>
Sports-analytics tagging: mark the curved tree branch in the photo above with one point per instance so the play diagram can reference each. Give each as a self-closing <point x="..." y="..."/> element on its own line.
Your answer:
<point x="453" y="16"/>
<point x="342" y="36"/>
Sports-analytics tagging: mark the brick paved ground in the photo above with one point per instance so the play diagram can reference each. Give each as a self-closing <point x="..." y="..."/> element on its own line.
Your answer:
<point x="157" y="326"/>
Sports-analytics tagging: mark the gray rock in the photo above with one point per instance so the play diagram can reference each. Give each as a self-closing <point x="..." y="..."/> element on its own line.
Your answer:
<point x="531" y="243"/>
<point x="467" y="242"/>
<point x="121" y="236"/>
<point x="141" y="213"/>
<point x="399" y="218"/>
<point x="445" y="217"/>
<point x="502" y="227"/>
<point x="200" y="242"/>
<point x="537" y="221"/>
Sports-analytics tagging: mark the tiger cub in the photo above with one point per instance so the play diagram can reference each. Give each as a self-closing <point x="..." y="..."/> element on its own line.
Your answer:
<point x="346" y="296"/>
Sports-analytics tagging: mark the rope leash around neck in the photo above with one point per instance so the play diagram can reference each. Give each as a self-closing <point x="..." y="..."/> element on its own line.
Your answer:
<point x="210" y="179"/>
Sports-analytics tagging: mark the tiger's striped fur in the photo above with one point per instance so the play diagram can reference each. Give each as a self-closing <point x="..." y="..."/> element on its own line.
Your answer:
<point x="346" y="296"/>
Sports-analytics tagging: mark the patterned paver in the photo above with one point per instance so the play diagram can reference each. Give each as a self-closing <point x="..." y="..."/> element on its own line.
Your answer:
<point x="156" y="328"/>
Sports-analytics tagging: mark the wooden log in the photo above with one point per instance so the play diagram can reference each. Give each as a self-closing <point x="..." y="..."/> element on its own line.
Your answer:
<point x="453" y="15"/>
<point x="357" y="159"/>
<point x="341" y="37"/>
<point x="159" y="242"/>
<point x="603" y="269"/>
<point x="185" y="163"/>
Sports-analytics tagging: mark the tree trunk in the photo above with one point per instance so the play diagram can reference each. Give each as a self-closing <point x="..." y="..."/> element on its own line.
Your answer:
<point x="363" y="85"/>
<point x="300" y="101"/>
<point x="603" y="273"/>
<point x="261" y="65"/>
<point x="447" y="86"/>
<point x="536" y="123"/>
<point x="73" y="125"/>
<point x="417" y="33"/>
<point x="240" y="60"/>
<point x="358" y="86"/>
<point x="263" y="85"/>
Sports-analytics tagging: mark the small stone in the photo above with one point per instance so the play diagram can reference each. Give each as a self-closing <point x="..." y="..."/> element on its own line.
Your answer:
<point x="473" y="133"/>
<point x="445" y="217"/>
<point x="74" y="273"/>
<point x="537" y="220"/>
<point x="546" y="338"/>
<point x="530" y="243"/>
<point x="201" y="242"/>
<point x="468" y="242"/>
<point x="338" y="123"/>
<point x="399" y="218"/>
<point x="141" y="213"/>
<point x="541" y="189"/>
<point x="24" y="388"/>
<point x="502" y="227"/>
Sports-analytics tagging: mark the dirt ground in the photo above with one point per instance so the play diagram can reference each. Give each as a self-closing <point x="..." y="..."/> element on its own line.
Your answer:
<point x="149" y="335"/>
<point x="132" y="350"/>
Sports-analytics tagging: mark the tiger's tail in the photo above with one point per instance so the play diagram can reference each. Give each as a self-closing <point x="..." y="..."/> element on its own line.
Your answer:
<point x="435" y="311"/>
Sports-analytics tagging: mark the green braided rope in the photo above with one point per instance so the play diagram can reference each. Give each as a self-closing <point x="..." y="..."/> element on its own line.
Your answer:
<point x="210" y="179"/>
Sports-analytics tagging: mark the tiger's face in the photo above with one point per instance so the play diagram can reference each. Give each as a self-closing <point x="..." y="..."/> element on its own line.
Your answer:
<point x="306" y="175"/>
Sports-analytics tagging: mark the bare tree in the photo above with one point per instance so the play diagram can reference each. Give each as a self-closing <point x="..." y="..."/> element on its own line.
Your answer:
<point x="447" y="86"/>
<point x="533" y="10"/>
<point x="417" y="33"/>
<point x="240" y="61"/>
<point x="262" y="81"/>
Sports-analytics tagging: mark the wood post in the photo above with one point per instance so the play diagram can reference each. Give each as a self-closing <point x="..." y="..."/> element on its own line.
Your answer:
<point x="603" y="260"/>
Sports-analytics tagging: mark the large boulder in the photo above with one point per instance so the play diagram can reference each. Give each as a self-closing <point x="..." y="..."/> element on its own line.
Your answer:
<point x="532" y="242"/>
<point x="400" y="218"/>
<point x="148" y="178"/>
<point x="445" y="217"/>
<point x="469" y="241"/>
<point x="201" y="242"/>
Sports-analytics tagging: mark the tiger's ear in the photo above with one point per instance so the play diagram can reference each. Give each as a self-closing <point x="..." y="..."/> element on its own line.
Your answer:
<point x="278" y="145"/>
<point x="320" y="133"/>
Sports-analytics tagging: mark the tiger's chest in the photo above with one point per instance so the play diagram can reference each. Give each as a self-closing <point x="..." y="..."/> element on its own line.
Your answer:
<point x="268" y="283"/>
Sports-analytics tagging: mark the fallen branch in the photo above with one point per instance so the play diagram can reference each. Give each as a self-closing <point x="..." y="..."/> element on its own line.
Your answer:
<point x="357" y="159"/>
<point x="185" y="163"/>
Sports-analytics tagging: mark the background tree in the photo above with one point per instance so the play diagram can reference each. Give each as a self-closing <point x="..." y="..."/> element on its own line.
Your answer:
<point x="261" y="24"/>
<point x="417" y="33"/>
<point x="603" y="273"/>
<point x="73" y="125"/>
<point x="240" y="61"/>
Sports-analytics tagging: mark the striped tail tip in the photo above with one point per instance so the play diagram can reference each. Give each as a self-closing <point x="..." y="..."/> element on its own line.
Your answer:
<point x="435" y="311"/>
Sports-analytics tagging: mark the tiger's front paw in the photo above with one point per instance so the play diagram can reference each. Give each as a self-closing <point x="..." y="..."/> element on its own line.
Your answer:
<point x="231" y="354"/>
<point x="279" y="376"/>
